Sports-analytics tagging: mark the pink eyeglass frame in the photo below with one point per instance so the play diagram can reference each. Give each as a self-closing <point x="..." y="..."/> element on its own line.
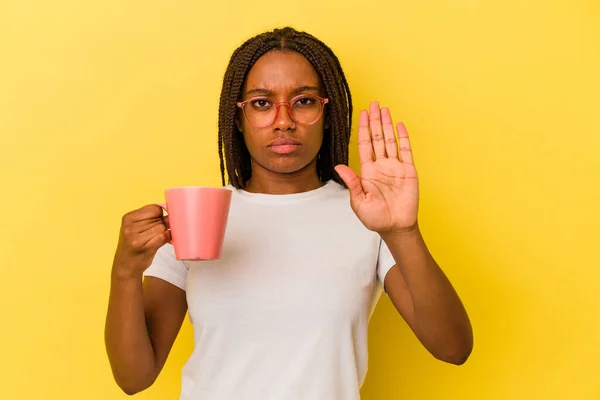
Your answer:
<point x="288" y="104"/>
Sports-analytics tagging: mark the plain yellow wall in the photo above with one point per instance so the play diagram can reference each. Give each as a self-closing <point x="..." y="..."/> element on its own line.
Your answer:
<point x="103" y="104"/>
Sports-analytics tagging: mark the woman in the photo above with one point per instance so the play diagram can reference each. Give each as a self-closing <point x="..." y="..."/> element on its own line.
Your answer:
<point x="309" y="245"/>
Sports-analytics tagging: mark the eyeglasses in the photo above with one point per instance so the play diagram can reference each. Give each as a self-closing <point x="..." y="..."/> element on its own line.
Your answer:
<point x="262" y="111"/>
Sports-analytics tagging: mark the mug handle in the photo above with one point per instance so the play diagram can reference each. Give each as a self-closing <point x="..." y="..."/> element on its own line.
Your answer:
<point x="164" y="207"/>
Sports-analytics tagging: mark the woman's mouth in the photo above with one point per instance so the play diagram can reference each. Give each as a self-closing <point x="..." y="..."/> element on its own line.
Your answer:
<point x="284" y="146"/>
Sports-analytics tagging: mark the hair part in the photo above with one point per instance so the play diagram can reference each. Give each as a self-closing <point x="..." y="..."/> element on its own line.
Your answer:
<point x="233" y="153"/>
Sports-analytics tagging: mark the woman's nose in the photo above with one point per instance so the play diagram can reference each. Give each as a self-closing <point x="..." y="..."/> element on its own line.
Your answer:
<point x="284" y="120"/>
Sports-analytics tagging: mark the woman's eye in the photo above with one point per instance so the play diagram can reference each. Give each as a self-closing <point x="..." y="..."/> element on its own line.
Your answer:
<point x="305" y="101"/>
<point x="261" y="103"/>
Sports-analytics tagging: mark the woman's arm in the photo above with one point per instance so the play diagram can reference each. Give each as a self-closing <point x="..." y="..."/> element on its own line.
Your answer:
<point x="144" y="316"/>
<point x="142" y="323"/>
<point x="385" y="198"/>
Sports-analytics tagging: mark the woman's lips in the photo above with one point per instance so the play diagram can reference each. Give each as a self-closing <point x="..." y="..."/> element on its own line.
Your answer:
<point x="284" y="146"/>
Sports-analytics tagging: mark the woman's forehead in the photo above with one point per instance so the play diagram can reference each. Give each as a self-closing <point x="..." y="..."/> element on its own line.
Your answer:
<point x="279" y="70"/>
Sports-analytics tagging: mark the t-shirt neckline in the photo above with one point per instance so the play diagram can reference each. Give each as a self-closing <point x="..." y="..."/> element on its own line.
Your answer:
<point x="278" y="198"/>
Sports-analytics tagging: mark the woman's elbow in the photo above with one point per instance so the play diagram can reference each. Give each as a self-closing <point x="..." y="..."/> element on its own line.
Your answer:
<point x="130" y="390"/>
<point x="457" y="358"/>
<point x="457" y="351"/>
<point x="131" y="387"/>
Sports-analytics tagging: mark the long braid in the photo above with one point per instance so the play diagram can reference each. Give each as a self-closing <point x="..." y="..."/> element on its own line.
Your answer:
<point x="233" y="154"/>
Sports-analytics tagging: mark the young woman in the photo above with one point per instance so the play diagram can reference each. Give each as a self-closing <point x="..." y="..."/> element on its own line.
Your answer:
<point x="310" y="245"/>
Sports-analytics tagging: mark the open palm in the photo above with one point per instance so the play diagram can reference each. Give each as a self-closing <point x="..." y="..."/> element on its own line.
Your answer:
<point x="385" y="196"/>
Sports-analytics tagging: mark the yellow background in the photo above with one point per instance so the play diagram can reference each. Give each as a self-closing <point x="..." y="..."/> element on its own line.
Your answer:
<point x="103" y="104"/>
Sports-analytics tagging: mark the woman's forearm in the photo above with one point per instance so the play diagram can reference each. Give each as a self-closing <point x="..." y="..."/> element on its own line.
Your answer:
<point x="128" y="344"/>
<point x="440" y="319"/>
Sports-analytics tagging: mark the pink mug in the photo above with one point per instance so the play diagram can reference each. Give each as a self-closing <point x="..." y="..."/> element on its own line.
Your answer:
<point x="198" y="220"/>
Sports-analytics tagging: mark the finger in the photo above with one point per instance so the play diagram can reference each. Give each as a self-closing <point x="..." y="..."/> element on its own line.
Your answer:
<point x="150" y="235"/>
<point x="140" y="227"/>
<point x="365" y="148"/>
<point x="351" y="180"/>
<point x="376" y="131"/>
<point x="150" y="211"/>
<point x="391" y="145"/>
<point x="145" y="218"/>
<point x="159" y="240"/>
<point x="156" y="227"/>
<point x="165" y="221"/>
<point x="405" y="148"/>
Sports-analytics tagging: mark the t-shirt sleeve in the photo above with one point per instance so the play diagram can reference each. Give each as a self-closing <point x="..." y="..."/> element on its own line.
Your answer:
<point x="166" y="267"/>
<point x="384" y="263"/>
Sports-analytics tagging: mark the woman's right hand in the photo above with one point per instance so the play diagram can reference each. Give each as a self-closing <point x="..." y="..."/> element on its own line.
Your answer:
<point x="143" y="232"/>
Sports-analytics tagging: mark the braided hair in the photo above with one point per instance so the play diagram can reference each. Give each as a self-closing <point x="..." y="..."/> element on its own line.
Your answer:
<point x="233" y="153"/>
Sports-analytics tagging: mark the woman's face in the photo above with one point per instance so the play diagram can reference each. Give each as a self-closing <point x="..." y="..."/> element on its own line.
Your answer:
<point x="283" y="147"/>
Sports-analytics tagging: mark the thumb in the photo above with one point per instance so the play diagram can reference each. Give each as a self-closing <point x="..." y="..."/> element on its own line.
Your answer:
<point x="351" y="180"/>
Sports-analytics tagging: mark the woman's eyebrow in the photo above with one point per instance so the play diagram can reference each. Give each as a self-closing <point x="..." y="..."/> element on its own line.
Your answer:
<point x="306" y="89"/>
<point x="267" y="92"/>
<point x="259" y="91"/>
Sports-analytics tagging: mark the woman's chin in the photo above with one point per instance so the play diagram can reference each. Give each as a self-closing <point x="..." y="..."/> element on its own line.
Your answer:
<point x="288" y="166"/>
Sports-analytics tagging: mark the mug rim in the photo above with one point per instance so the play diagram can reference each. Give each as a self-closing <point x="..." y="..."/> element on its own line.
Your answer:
<point x="197" y="187"/>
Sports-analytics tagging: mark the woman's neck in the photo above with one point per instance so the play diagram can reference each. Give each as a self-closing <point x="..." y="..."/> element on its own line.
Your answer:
<point x="269" y="182"/>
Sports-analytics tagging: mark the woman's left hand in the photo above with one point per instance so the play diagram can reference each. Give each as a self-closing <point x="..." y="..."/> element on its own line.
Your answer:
<point x="386" y="195"/>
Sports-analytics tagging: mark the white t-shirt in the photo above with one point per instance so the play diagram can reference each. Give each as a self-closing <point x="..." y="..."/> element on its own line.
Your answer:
<point x="284" y="314"/>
